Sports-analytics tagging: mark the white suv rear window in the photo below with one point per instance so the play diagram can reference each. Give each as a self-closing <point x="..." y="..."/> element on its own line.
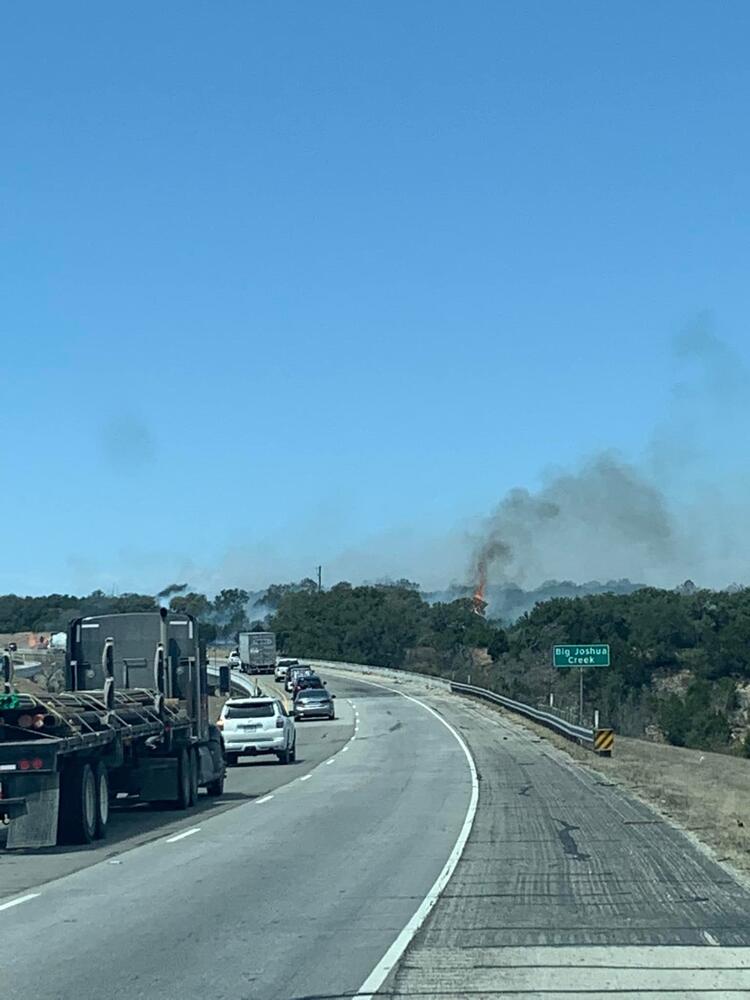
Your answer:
<point x="249" y="711"/>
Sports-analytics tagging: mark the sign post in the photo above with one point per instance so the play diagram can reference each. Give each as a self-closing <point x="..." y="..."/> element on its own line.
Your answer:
<point x="580" y="655"/>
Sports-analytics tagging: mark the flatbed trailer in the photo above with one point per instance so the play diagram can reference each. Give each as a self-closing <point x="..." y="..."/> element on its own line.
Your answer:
<point x="64" y="756"/>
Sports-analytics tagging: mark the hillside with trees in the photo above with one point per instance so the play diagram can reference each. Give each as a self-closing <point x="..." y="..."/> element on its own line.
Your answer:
<point x="680" y="658"/>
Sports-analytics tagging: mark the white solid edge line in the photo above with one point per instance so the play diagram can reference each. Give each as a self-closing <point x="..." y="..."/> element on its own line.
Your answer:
<point x="380" y="973"/>
<point x="181" y="836"/>
<point x="265" y="798"/>
<point x="19" y="899"/>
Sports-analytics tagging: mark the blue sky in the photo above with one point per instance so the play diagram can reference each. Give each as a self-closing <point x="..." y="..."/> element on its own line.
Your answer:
<point x="289" y="283"/>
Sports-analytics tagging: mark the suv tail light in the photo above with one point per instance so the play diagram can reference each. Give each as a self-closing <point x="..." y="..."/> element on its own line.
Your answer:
<point x="279" y="722"/>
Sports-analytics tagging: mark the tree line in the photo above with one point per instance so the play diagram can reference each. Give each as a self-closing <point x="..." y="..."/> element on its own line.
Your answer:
<point x="680" y="658"/>
<point x="220" y="617"/>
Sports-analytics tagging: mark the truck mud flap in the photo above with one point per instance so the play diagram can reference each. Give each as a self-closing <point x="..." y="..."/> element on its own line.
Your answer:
<point x="37" y="827"/>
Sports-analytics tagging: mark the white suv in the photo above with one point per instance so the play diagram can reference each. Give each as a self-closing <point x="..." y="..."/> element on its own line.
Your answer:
<point x="253" y="726"/>
<point x="282" y="667"/>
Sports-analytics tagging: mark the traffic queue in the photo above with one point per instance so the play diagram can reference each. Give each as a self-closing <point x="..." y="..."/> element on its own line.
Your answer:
<point x="265" y="725"/>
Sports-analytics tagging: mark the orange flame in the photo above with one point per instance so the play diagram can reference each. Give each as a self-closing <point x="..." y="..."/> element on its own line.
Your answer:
<point x="479" y="602"/>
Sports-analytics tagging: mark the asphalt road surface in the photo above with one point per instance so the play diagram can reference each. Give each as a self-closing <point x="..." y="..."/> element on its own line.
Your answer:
<point x="130" y="826"/>
<point x="570" y="888"/>
<point x="293" y="893"/>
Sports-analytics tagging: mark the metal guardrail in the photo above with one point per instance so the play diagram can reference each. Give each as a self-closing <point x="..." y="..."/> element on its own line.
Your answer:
<point x="365" y="668"/>
<point x="241" y="681"/>
<point x="598" y="740"/>
<point x="573" y="732"/>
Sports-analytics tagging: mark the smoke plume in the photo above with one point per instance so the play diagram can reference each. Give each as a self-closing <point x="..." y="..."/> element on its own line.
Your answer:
<point x="171" y="590"/>
<point x="679" y="513"/>
<point x="579" y="525"/>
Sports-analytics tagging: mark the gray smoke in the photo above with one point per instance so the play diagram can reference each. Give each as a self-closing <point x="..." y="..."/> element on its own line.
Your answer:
<point x="127" y="442"/>
<point x="679" y="513"/>
<point x="602" y="520"/>
<point x="171" y="590"/>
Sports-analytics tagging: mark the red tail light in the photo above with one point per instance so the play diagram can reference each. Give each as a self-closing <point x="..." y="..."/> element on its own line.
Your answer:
<point x="37" y="763"/>
<point x="24" y="765"/>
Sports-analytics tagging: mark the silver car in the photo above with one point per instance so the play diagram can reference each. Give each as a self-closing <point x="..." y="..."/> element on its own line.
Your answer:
<point x="254" y="726"/>
<point x="314" y="703"/>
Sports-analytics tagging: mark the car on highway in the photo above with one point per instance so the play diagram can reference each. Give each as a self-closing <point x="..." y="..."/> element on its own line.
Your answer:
<point x="305" y="681"/>
<point x="314" y="703"/>
<point x="294" y="672"/>
<point x="255" y="726"/>
<point x="282" y="667"/>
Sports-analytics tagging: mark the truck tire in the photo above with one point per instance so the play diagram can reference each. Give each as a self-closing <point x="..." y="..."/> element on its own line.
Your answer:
<point x="232" y="759"/>
<point x="216" y="787"/>
<point x="78" y="810"/>
<point x="194" y="776"/>
<point x="101" y="781"/>
<point x="184" y="781"/>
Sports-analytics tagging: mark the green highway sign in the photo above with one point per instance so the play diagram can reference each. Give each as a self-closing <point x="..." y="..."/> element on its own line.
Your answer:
<point x="581" y="655"/>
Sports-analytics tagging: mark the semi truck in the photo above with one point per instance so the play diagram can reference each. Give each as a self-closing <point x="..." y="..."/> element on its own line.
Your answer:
<point x="132" y="722"/>
<point x="257" y="652"/>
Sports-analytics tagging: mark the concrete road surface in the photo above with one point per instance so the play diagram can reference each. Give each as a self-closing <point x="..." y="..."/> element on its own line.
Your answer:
<point x="296" y="893"/>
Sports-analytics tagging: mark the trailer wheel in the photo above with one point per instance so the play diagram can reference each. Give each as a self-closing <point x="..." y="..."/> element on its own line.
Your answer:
<point x="184" y="781"/>
<point x="78" y="810"/>
<point x="216" y="787"/>
<point x="194" y="776"/>
<point x="101" y="781"/>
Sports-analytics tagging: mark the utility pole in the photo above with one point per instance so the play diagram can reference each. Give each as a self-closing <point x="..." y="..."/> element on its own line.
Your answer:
<point x="320" y="578"/>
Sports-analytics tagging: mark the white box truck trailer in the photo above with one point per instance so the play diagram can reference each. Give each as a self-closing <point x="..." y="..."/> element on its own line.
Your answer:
<point x="258" y="652"/>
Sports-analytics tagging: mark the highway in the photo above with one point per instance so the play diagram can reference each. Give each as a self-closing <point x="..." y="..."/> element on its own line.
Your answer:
<point x="571" y="888"/>
<point x="131" y="826"/>
<point x="304" y="883"/>
<point x="295" y="887"/>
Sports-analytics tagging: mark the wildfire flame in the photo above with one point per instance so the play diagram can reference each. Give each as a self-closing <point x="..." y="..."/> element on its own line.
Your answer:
<point x="479" y="602"/>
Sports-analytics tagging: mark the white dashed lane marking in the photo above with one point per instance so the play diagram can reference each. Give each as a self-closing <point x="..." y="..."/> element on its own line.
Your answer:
<point x="265" y="798"/>
<point x="18" y="900"/>
<point x="181" y="836"/>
